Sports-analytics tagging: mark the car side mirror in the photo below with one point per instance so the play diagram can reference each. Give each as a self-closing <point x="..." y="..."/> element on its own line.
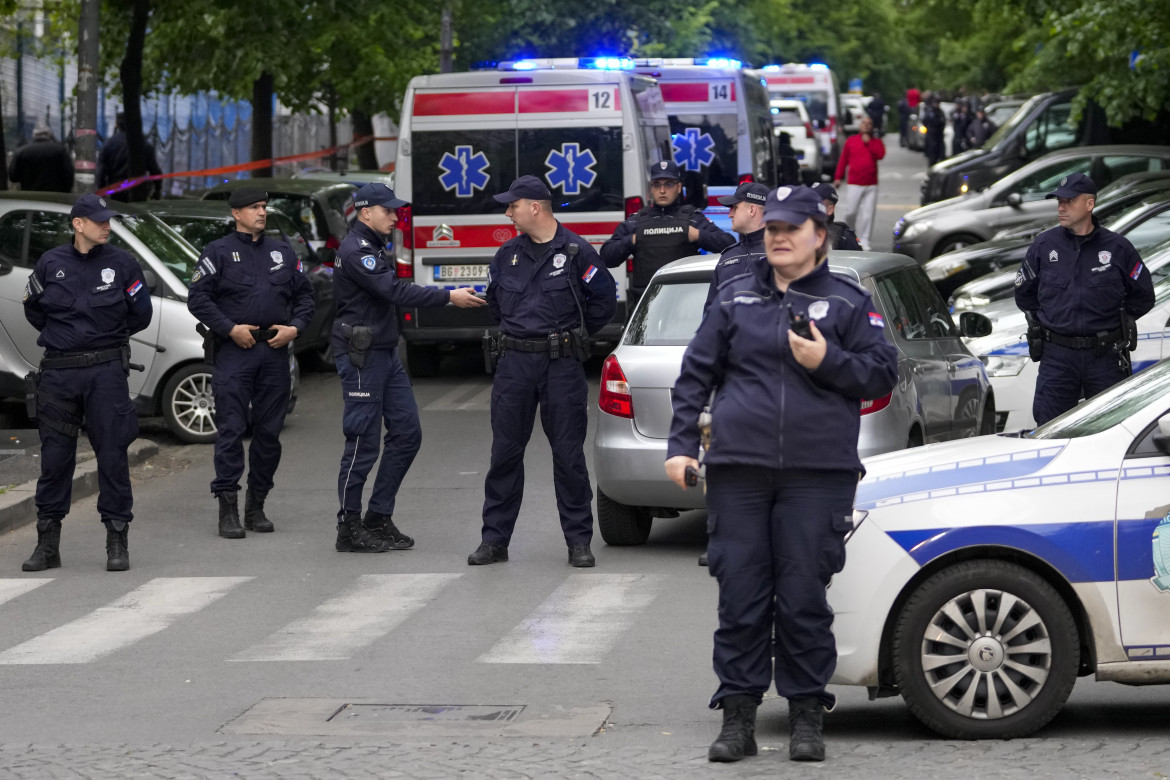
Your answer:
<point x="151" y="279"/>
<point x="972" y="324"/>
<point x="1014" y="200"/>
<point x="694" y="190"/>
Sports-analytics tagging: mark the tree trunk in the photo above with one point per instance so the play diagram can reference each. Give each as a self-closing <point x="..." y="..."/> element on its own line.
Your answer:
<point x="367" y="155"/>
<point x="262" y="91"/>
<point x="131" y="74"/>
<point x="3" y="151"/>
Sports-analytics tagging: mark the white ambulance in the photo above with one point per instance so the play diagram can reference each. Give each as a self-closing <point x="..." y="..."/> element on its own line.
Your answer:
<point x="589" y="132"/>
<point x="816" y="87"/>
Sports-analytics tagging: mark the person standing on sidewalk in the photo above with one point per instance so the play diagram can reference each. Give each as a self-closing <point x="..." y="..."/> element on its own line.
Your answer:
<point x="86" y="299"/>
<point x="858" y="167"/>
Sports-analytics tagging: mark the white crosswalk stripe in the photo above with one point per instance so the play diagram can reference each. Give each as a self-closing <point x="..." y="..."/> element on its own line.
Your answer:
<point x="580" y="622"/>
<point x="457" y="400"/>
<point x="10" y="589"/>
<point x="137" y="615"/>
<point x="374" y="606"/>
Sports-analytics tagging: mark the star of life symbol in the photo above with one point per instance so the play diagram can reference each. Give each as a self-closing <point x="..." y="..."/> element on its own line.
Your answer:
<point x="692" y="149"/>
<point x="464" y="172"/>
<point x="571" y="168"/>
<point x="1161" y="541"/>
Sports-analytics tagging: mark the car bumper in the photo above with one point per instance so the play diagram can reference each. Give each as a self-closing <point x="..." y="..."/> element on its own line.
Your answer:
<point x="628" y="467"/>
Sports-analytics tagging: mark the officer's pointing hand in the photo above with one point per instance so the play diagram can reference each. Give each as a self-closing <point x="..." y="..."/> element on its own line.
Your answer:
<point x="808" y="352"/>
<point x="693" y="234"/>
<point x="284" y="334"/>
<point x="242" y="335"/>
<point x="465" y="298"/>
<point x="676" y="469"/>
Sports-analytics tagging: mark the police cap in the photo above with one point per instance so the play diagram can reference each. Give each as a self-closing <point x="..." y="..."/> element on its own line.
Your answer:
<point x="377" y="194"/>
<point x="1072" y="185"/>
<point x="748" y="192"/>
<point x="826" y="191"/>
<point x="525" y="187"/>
<point x="92" y="207"/>
<point x="793" y="205"/>
<point x="664" y="170"/>
<point x="246" y="196"/>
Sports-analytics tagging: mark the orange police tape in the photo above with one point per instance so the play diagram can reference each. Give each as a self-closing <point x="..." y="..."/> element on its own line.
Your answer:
<point x="248" y="166"/>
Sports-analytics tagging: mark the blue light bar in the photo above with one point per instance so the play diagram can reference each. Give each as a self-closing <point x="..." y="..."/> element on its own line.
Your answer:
<point x="524" y="65"/>
<point x="608" y="63"/>
<point x="721" y="62"/>
<point x="771" y="68"/>
<point x="818" y="66"/>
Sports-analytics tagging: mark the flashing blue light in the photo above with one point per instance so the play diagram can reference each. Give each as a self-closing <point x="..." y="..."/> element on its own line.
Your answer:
<point x="723" y="62"/>
<point x="524" y="65"/>
<point x="609" y="63"/>
<point x="771" y="68"/>
<point x="818" y="66"/>
<point x="775" y="110"/>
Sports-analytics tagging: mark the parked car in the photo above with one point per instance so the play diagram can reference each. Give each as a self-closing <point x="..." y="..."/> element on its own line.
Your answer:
<point x="854" y="106"/>
<point x="984" y="576"/>
<point x="1018" y="198"/>
<point x="1001" y="112"/>
<point x="942" y="393"/>
<point x="357" y="177"/>
<point x="325" y="208"/>
<point x="201" y="222"/>
<point x="176" y="383"/>
<point x="790" y="116"/>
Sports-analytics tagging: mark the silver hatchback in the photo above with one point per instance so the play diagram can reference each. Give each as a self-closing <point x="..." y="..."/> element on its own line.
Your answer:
<point x="942" y="392"/>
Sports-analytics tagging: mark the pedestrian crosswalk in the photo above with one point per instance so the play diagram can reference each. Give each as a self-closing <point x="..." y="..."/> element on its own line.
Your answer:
<point x="581" y="621"/>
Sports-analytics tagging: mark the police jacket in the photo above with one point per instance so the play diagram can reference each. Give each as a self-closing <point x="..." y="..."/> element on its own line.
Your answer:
<point x="841" y="236"/>
<point x="367" y="289"/>
<point x="1077" y="285"/>
<point x="736" y="260"/>
<point x="662" y="237"/>
<point x="536" y="289"/>
<point x="769" y="410"/>
<point x="241" y="281"/>
<point x="86" y="302"/>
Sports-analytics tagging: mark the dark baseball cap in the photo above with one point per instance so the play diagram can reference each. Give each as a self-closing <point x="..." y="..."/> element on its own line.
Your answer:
<point x="525" y="187"/>
<point x="664" y="170"/>
<point x="92" y="207"/>
<point x="826" y="191"/>
<point x="793" y="205"/>
<point x="377" y="194"/>
<point x="1072" y="185"/>
<point x="246" y="196"/>
<point x="748" y="192"/>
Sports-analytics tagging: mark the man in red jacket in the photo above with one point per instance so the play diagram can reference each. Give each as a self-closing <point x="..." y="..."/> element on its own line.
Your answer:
<point x="859" y="160"/>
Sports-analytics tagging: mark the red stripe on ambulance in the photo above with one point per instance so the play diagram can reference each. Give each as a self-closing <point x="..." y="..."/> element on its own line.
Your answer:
<point x="462" y="103"/>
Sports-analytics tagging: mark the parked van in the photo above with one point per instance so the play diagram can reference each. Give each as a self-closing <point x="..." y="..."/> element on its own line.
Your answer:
<point x="1042" y="125"/>
<point x="590" y="133"/>
<point x="816" y="87"/>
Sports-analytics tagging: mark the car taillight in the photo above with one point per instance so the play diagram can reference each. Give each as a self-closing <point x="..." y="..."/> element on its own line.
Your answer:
<point x="746" y="177"/>
<point x="869" y="407"/>
<point x="615" y="390"/>
<point x="634" y="205"/>
<point x="404" y="269"/>
<point x="405" y="224"/>
<point x="808" y="129"/>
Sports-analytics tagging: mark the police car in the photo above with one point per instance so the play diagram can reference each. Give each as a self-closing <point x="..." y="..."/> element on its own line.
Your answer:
<point x="985" y="575"/>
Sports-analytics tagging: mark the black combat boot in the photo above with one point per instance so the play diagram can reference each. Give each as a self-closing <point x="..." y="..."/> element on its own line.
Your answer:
<point x="738" y="737"/>
<point x="352" y="537"/>
<point x="229" y="515"/>
<point x="117" y="546"/>
<point x="254" y="517"/>
<point x="581" y="557"/>
<point x="382" y="527"/>
<point x="47" y="554"/>
<point x="487" y="553"/>
<point x="805" y="742"/>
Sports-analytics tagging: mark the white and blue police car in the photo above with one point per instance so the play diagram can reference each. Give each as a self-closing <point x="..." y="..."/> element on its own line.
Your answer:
<point x="985" y="575"/>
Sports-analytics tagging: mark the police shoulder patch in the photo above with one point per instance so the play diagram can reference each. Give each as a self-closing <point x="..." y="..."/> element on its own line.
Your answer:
<point x="369" y="262"/>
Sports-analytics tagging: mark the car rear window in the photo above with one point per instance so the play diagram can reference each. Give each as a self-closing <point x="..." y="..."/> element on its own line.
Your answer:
<point x="787" y="117"/>
<point x="669" y="312"/>
<point x="816" y="102"/>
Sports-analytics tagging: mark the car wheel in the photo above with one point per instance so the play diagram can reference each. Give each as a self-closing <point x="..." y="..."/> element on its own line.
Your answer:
<point x="985" y="650"/>
<point x="622" y="525"/>
<point x="967" y="412"/>
<point x="987" y="423"/>
<point x="951" y="243"/>
<point x="188" y="405"/>
<point x="422" y="359"/>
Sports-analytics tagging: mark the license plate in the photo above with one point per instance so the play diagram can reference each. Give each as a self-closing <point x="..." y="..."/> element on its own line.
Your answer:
<point x="470" y="273"/>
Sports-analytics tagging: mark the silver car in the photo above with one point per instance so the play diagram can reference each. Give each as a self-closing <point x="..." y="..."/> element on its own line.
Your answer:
<point x="942" y="393"/>
<point x="176" y="382"/>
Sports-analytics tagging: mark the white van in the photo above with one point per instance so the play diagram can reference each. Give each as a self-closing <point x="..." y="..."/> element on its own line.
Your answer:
<point x="589" y="133"/>
<point x="816" y="87"/>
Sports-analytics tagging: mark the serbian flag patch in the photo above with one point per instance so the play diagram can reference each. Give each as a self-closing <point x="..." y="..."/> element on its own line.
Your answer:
<point x="133" y="289"/>
<point x="876" y="320"/>
<point x="590" y="272"/>
<point x="1136" y="272"/>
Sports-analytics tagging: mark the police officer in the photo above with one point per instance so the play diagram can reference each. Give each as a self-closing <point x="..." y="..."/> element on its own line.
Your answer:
<point x="1076" y="284"/>
<point x="250" y="291"/>
<point x="549" y="291"/>
<point x="746" y="209"/>
<point x="86" y="299"/>
<point x="841" y="236"/>
<point x="374" y="386"/>
<point x="664" y="231"/>
<point x="782" y="466"/>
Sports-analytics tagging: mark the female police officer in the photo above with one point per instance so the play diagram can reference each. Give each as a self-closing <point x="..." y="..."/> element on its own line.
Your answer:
<point x="782" y="465"/>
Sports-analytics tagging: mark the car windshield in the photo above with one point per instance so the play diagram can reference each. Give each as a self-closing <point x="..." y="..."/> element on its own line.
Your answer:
<point x="167" y="245"/>
<point x="1016" y="119"/>
<point x="1115" y="405"/>
<point x="669" y="312"/>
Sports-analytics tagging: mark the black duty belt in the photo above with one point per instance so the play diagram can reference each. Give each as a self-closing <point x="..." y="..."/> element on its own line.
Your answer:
<point x="55" y="359"/>
<point x="1083" y="342"/>
<point x="526" y="345"/>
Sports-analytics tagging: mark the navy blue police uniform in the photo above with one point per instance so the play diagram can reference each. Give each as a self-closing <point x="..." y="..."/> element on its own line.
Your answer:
<point x="782" y="465"/>
<point x="738" y="258"/>
<point x="240" y="279"/>
<point x="841" y="236"/>
<point x="86" y="307"/>
<point x="1075" y="289"/>
<point x="662" y="234"/>
<point x="368" y="292"/>
<point x="538" y="293"/>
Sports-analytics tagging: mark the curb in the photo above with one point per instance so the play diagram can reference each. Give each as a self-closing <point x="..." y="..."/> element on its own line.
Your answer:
<point x="18" y="505"/>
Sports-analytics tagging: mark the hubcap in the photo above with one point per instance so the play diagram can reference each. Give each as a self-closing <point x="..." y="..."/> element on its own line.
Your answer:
<point x="194" y="405"/>
<point x="986" y="654"/>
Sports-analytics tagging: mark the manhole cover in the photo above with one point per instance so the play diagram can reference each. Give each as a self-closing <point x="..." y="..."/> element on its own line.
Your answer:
<point x="431" y="713"/>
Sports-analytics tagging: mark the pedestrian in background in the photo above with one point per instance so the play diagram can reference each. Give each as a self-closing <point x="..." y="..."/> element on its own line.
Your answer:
<point x="935" y="122"/>
<point x="960" y="121"/>
<point x="549" y="291"/>
<point x="876" y="110"/>
<point x="858" y="167"/>
<point x="374" y="385"/>
<point x="979" y="130"/>
<point x="113" y="165"/>
<point x="1078" y="283"/>
<point x="87" y="299"/>
<point x="782" y="467"/>
<point x="904" y="122"/>
<point x="841" y="236"/>
<point x="251" y="292"/>
<point x="787" y="163"/>
<point x="43" y="165"/>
